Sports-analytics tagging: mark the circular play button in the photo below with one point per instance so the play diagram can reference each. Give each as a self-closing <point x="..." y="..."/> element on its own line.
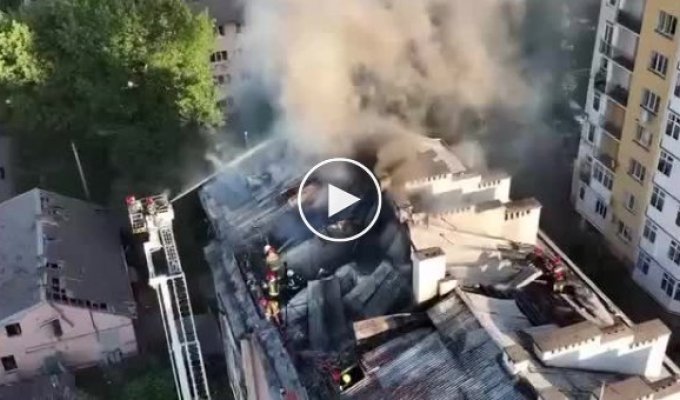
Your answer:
<point x="339" y="199"/>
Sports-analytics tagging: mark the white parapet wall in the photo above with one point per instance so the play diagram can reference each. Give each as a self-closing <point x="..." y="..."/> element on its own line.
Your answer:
<point x="637" y="350"/>
<point x="429" y="268"/>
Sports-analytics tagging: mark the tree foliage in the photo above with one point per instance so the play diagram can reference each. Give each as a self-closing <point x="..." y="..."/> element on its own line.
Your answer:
<point x="129" y="76"/>
<point x="155" y="384"/>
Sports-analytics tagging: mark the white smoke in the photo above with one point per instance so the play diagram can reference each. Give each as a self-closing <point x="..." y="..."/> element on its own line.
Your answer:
<point x="343" y="73"/>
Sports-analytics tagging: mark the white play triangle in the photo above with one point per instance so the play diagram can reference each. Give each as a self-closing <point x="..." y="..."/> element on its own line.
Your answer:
<point x="338" y="200"/>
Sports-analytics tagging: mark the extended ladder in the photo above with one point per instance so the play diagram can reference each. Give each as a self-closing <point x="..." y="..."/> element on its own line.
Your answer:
<point x="173" y="297"/>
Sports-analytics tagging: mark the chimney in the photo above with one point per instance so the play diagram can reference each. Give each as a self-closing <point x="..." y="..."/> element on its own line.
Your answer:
<point x="429" y="267"/>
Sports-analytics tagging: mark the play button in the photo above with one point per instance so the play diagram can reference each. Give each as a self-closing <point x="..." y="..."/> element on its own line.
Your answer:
<point x="339" y="199"/>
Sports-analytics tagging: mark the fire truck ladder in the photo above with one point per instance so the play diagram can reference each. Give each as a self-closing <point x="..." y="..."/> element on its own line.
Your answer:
<point x="173" y="298"/>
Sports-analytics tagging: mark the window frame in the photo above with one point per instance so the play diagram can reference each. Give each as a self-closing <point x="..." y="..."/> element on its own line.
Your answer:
<point x="649" y="231"/>
<point x="674" y="252"/>
<point x="658" y="64"/>
<point x="9" y="359"/>
<point x="650" y="101"/>
<point x="673" y="125"/>
<point x="637" y="170"/>
<point x="601" y="208"/>
<point x="665" y="164"/>
<point x="658" y="198"/>
<point x="666" y="24"/>
<point x="644" y="261"/>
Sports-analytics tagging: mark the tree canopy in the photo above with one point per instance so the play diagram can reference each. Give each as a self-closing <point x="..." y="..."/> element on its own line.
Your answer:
<point x="128" y="80"/>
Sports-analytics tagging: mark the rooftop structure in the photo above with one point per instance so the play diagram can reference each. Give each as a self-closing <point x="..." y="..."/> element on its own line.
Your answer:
<point x="64" y="285"/>
<point x="454" y="277"/>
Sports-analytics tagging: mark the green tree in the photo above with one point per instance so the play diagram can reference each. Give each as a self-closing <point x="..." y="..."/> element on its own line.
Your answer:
<point x="128" y="80"/>
<point x="155" y="384"/>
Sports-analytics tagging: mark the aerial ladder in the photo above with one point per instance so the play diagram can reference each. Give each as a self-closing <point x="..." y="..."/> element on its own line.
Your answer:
<point x="153" y="216"/>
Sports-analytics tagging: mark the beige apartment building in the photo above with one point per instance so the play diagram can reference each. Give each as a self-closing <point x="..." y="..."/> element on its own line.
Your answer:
<point x="626" y="177"/>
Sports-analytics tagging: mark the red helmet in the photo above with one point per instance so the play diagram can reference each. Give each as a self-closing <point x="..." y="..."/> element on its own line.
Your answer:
<point x="130" y="200"/>
<point x="263" y="302"/>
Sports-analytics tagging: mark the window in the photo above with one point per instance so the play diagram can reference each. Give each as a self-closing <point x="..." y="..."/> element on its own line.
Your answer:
<point x="581" y="193"/>
<point x="643" y="263"/>
<point x="624" y="232"/>
<point x="666" y="24"/>
<point x="677" y="218"/>
<point x="612" y="3"/>
<point x="649" y="232"/>
<point x="591" y="133"/>
<point x="658" y="198"/>
<point x="13" y="330"/>
<point x="650" y="101"/>
<point x="608" y="33"/>
<point x="239" y="28"/>
<point x="9" y="363"/>
<point x="596" y="101"/>
<point x="636" y="170"/>
<point x="677" y="294"/>
<point x="2" y="173"/>
<point x="676" y="91"/>
<point x="56" y="328"/>
<point x="673" y="126"/>
<point x="667" y="284"/>
<point x="674" y="252"/>
<point x="658" y="63"/>
<point x="601" y="208"/>
<point x="630" y="201"/>
<point x="643" y="136"/>
<point x="219" y="56"/>
<point x="220" y="30"/>
<point x="665" y="163"/>
<point x="603" y="176"/>
<point x="219" y="79"/>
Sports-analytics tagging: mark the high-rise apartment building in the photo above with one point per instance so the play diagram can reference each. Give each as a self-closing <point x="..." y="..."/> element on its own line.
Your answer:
<point x="627" y="174"/>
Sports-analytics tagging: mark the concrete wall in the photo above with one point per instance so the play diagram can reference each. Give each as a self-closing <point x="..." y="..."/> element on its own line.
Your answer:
<point x="522" y="228"/>
<point x="89" y="337"/>
<point x="621" y="355"/>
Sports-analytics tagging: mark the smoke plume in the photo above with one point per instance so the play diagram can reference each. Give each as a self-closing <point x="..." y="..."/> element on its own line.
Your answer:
<point x="344" y="74"/>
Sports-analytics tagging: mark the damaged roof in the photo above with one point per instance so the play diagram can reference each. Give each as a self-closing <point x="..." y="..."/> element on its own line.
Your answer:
<point x="62" y="248"/>
<point x="456" y="359"/>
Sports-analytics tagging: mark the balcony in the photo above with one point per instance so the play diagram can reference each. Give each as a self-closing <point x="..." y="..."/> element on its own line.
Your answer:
<point x="612" y="128"/>
<point x="619" y="94"/>
<point x="584" y="173"/>
<point x="600" y="82"/>
<point x="629" y="21"/>
<point x="606" y="160"/>
<point x="617" y="55"/>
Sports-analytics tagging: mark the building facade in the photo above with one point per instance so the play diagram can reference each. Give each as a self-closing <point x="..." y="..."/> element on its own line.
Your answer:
<point x="623" y="177"/>
<point x="65" y="295"/>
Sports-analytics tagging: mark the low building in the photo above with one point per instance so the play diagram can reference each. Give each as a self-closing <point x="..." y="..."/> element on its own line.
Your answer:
<point x="457" y="278"/>
<point x="64" y="287"/>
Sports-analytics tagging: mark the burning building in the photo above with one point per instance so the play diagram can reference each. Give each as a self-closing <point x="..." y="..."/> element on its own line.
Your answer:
<point x="454" y="293"/>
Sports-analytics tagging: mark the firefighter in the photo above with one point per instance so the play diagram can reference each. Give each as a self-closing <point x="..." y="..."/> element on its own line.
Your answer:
<point x="272" y="258"/>
<point x="293" y="281"/>
<point x="271" y="310"/>
<point x="272" y="284"/>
